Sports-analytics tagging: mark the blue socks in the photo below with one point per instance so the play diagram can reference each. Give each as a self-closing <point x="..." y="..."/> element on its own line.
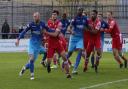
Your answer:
<point x="78" y="58"/>
<point x="27" y="66"/>
<point x="32" y="66"/>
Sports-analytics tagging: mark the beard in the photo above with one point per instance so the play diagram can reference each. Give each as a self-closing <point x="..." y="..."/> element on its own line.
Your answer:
<point x="93" y="18"/>
<point x="37" y="21"/>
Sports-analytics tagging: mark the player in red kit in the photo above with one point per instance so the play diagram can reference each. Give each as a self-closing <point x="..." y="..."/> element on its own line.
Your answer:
<point x="52" y="24"/>
<point x="54" y="44"/>
<point x="117" y="40"/>
<point x="94" y="40"/>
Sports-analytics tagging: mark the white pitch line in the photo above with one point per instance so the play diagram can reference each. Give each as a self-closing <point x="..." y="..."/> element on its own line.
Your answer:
<point x="102" y="84"/>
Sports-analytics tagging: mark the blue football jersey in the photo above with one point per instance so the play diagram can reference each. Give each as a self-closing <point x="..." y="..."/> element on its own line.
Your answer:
<point x="79" y="23"/>
<point x="65" y="24"/>
<point x="36" y="32"/>
<point x="103" y="25"/>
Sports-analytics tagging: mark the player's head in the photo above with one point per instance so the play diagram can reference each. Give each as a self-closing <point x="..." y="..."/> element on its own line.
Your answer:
<point x="100" y="16"/>
<point x="64" y="16"/>
<point x="94" y="14"/>
<point x="36" y="17"/>
<point x="80" y="11"/>
<point x="109" y="14"/>
<point x="55" y="14"/>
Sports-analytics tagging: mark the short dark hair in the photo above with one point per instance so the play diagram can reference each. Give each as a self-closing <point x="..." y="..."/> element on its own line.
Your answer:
<point x="95" y="11"/>
<point x="55" y="11"/>
<point x="80" y="8"/>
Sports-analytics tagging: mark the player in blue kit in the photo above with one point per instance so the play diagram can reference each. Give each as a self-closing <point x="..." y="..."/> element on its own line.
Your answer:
<point x="78" y="25"/>
<point x="104" y="25"/>
<point x="65" y="23"/>
<point x="35" y="43"/>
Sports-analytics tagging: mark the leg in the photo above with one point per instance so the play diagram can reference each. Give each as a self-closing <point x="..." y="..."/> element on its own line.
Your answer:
<point x="78" y="58"/>
<point x="43" y="51"/>
<point x="97" y="59"/>
<point x="54" y="61"/>
<point x="31" y="57"/>
<point x="69" y="54"/>
<point x="71" y="48"/>
<point x="86" y="61"/>
<point x="58" y="60"/>
<point x="93" y="59"/>
<point x="48" y="64"/>
<point x="66" y="65"/>
<point x="98" y="56"/>
<point x="79" y="47"/>
<point x="50" y="55"/>
<point x="89" y="49"/>
<point x="124" y="58"/>
<point x="117" y="57"/>
<point x="29" y="65"/>
<point x="44" y="59"/>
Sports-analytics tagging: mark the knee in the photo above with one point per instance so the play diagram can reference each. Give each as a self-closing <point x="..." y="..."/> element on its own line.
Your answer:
<point x="115" y="54"/>
<point x="121" y="55"/>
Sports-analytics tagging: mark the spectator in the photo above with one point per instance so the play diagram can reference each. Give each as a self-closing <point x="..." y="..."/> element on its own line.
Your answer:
<point x="21" y="28"/>
<point x="14" y="34"/>
<point x="5" y="30"/>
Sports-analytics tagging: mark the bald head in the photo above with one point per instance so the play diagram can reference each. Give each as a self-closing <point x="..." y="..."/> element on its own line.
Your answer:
<point x="36" y="17"/>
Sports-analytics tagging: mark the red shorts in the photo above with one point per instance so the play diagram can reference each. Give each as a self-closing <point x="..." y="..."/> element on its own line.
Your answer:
<point x="94" y="43"/>
<point x="54" y="47"/>
<point x="63" y="42"/>
<point x="117" y="43"/>
<point x="86" y="39"/>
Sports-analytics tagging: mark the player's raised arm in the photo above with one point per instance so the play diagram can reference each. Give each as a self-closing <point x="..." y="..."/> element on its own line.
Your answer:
<point x="108" y="30"/>
<point x="21" y="35"/>
<point x="111" y="22"/>
<point x="56" y="32"/>
<point x="69" y="29"/>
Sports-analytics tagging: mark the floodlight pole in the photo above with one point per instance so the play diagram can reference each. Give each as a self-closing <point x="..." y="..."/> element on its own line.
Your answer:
<point x="12" y="14"/>
<point x="52" y="4"/>
<point x="96" y="4"/>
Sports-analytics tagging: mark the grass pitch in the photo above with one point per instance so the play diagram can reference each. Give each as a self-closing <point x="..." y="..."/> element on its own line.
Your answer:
<point x="11" y="64"/>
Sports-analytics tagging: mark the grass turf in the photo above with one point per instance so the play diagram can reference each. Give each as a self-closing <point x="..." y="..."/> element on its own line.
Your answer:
<point x="11" y="64"/>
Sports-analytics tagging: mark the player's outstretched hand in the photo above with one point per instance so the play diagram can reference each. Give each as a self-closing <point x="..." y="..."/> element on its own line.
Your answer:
<point x="17" y="42"/>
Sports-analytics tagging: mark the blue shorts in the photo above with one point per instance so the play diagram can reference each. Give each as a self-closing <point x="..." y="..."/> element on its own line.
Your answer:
<point x="35" y="50"/>
<point x="75" y="43"/>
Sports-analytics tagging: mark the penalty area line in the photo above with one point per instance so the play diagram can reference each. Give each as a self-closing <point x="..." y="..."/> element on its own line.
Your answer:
<point x="103" y="84"/>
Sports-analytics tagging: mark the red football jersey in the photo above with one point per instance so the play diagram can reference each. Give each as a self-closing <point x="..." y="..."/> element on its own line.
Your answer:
<point x="96" y="25"/>
<point x="114" y="29"/>
<point x="53" y="25"/>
